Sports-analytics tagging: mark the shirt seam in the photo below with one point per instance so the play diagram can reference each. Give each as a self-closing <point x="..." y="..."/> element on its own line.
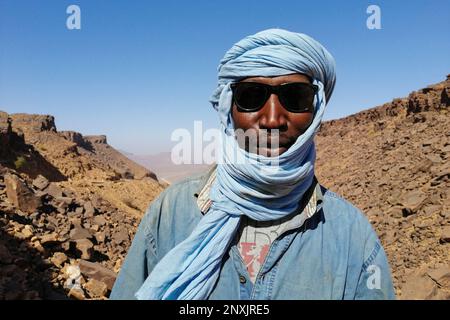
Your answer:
<point x="372" y="256"/>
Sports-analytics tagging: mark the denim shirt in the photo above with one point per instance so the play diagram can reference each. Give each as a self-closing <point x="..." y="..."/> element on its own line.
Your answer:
<point x="335" y="254"/>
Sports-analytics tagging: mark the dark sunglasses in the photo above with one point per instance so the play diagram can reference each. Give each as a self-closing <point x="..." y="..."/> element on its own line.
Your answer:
<point x="294" y="96"/>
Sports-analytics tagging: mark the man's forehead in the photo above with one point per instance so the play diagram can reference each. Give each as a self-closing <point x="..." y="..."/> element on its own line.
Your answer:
<point x="278" y="79"/>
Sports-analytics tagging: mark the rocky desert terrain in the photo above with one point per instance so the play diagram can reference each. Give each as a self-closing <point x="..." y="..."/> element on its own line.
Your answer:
<point x="393" y="162"/>
<point x="70" y="204"/>
<point x="69" y="208"/>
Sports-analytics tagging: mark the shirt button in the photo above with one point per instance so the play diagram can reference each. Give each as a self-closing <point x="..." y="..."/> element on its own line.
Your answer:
<point x="242" y="279"/>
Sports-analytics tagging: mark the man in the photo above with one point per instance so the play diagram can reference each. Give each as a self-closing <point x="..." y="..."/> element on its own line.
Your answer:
<point x="252" y="229"/>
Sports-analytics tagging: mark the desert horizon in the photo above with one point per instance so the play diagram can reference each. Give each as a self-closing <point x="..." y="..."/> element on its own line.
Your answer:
<point x="61" y="192"/>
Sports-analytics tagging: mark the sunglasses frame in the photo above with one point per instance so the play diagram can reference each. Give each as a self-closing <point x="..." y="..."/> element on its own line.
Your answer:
<point x="268" y="92"/>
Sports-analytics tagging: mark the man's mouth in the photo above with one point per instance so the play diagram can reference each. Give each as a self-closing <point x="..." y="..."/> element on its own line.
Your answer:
<point x="269" y="145"/>
<point x="274" y="146"/>
<point x="271" y="152"/>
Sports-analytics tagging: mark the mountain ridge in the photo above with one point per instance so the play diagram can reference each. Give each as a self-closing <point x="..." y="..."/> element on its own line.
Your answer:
<point x="70" y="202"/>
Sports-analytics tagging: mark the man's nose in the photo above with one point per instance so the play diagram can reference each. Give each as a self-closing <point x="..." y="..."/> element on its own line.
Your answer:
<point x="273" y="115"/>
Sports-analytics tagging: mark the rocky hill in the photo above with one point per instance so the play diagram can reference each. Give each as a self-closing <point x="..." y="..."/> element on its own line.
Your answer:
<point x="70" y="204"/>
<point x="69" y="207"/>
<point x="393" y="162"/>
<point x="74" y="155"/>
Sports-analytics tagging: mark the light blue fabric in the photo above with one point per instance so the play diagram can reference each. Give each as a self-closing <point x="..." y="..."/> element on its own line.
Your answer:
<point x="332" y="256"/>
<point x="255" y="188"/>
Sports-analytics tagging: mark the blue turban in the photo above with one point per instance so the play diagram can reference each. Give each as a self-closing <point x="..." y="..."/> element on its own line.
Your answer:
<point x="253" y="188"/>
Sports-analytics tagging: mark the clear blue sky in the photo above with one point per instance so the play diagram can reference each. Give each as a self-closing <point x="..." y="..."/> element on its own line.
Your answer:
<point x="139" y="69"/>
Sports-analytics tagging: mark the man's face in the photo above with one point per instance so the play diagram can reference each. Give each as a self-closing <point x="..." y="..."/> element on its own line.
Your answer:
<point x="273" y="116"/>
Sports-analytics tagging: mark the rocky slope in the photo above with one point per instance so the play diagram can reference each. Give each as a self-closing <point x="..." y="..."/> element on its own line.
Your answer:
<point x="69" y="207"/>
<point x="75" y="156"/>
<point x="393" y="162"/>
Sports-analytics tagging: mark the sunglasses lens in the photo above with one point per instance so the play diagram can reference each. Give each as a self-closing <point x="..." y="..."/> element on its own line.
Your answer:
<point x="250" y="96"/>
<point x="297" y="97"/>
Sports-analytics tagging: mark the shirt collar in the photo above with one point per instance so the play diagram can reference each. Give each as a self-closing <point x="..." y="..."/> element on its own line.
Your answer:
<point x="204" y="180"/>
<point x="202" y="192"/>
